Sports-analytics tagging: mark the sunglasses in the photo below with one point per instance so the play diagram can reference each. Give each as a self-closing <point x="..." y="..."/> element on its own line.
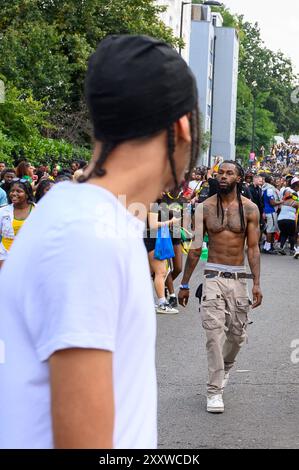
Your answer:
<point x="21" y="180"/>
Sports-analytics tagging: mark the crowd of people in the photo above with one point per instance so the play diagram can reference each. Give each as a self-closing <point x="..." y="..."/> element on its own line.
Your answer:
<point x="272" y="183"/>
<point x="23" y="187"/>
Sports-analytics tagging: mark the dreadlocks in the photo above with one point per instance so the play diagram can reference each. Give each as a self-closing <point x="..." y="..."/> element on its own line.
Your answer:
<point x="239" y="195"/>
<point x="107" y="147"/>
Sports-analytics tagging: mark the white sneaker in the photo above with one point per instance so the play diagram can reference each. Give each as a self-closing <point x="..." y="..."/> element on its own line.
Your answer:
<point x="225" y="380"/>
<point x="296" y="255"/>
<point x="215" y="404"/>
<point x="166" y="309"/>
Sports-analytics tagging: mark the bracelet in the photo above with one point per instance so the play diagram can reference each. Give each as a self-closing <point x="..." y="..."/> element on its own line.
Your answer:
<point x="184" y="287"/>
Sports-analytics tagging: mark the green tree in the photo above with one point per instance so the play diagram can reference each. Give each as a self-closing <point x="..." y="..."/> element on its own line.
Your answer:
<point x="22" y="118"/>
<point x="274" y="79"/>
<point x="46" y="43"/>
<point x="273" y="74"/>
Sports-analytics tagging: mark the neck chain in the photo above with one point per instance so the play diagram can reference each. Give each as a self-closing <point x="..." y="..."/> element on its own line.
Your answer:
<point x="226" y="208"/>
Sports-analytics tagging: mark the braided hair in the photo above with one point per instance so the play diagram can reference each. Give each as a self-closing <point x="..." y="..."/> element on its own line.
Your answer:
<point x="220" y="209"/>
<point x="108" y="147"/>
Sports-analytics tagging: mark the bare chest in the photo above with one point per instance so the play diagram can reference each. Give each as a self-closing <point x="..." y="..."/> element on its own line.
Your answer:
<point x="230" y="221"/>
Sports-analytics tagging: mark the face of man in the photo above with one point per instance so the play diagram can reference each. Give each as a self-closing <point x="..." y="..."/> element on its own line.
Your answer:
<point x="2" y="167"/>
<point x="228" y="178"/>
<point x="258" y="181"/>
<point x="8" y="177"/>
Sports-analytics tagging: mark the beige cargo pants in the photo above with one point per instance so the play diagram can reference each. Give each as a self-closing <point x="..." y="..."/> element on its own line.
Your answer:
<point x="224" y="309"/>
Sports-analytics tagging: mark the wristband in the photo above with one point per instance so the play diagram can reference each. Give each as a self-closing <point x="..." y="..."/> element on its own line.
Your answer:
<point x="184" y="287"/>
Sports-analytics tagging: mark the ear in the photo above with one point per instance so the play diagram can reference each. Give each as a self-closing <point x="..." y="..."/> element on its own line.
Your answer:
<point x="183" y="131"/>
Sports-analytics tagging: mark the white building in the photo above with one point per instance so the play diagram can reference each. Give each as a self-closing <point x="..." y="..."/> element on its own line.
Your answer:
<point x="214" y="53"/>
<point x="178" y="17"/>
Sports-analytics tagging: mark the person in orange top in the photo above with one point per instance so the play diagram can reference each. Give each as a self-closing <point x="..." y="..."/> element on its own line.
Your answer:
<point x="13" y="216"/>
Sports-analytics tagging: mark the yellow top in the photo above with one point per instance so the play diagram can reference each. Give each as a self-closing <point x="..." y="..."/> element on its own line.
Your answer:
<point x="16" y="225"/>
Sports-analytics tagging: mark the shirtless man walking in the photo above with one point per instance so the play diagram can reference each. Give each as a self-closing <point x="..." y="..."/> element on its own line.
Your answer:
<point x="230" y="220"/>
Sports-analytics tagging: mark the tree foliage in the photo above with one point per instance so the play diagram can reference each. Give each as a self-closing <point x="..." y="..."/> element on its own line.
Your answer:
<point x="46" y="44"/>
<point x="267" y="77"/>
<point x="44" y="47"/>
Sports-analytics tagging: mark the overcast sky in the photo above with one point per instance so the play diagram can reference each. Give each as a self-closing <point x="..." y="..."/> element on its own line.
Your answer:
<point x="278" y="20"/>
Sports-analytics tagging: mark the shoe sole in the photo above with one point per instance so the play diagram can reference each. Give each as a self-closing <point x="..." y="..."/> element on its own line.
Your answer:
<point x="215" y="410"/>
<point x="167" y="313"/>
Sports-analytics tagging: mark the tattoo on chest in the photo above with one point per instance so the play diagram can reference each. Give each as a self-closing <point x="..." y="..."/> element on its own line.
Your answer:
<point x="231" y="220"/>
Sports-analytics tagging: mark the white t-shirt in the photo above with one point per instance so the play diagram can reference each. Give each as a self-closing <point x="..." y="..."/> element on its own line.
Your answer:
<point x="287" y="213"/>
<point x="77" y="276"/>
<point x="195" y="185"/>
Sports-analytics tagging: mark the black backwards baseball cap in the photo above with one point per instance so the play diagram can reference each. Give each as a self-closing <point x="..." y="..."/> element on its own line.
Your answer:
<point x="137" y="86"/>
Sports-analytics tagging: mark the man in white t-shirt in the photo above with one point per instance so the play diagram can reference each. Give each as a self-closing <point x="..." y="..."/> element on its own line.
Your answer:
<point x="77" y="321"/>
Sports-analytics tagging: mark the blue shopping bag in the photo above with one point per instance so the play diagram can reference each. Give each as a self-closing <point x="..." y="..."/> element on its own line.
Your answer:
<point x="164" y="247"/>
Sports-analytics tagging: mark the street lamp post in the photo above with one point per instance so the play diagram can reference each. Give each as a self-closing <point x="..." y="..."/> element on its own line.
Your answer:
<point x="183" y="4"/>
<point x="182" y="22"/>
<point x="212" y="4"/>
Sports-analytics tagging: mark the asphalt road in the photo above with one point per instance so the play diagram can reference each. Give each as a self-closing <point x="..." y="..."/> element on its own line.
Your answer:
<point x="262" y="397"/>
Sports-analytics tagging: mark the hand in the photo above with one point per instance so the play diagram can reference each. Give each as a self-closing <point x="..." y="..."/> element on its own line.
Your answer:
<point x="43" y="178"/>
<point x="175" y="220"/>
<point x="257" y="296"/>
<point x="209" y="173"/>
<point x="183" y="297"/>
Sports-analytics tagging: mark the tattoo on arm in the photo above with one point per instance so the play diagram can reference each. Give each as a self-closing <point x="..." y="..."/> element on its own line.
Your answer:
<point x="195" y="253"/>
<point x="191" y="263"/>
<point x="255" y="264"/>
<point x="253" y="236"/>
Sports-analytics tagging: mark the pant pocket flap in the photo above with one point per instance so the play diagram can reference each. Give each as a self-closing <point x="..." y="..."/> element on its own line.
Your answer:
<point x="211" y="324"/>
<point x="242" y="302"/>
<point x="208" y="297"/>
